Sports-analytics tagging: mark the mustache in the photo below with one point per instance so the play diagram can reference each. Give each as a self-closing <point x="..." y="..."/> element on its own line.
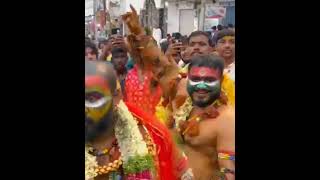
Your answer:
<point x="211" y="99"/>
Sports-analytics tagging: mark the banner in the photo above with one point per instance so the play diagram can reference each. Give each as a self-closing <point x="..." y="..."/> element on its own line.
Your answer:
<point x="213" y="11"/>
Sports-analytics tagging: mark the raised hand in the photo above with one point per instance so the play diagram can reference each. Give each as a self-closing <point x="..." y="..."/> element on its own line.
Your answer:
<point x="132" y="21"/>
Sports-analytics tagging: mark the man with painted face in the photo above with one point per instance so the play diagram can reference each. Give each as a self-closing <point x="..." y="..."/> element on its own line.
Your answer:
<point x="122" y="141"/>
<point x="205" y="121"/>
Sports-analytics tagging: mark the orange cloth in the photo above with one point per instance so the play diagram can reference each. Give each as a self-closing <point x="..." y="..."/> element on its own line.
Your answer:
<point x="171" y="160"/>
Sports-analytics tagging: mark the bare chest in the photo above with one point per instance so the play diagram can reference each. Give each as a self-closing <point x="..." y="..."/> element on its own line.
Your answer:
<point x="201" y="150"/>
<point x="207" y="134"/>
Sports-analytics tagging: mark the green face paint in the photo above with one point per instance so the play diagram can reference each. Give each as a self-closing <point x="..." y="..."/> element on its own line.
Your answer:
<point x="216" y="88"/>
<point x="213" y="89"/>
<point x="190" y="88"/>
<point x="201" y="85"/>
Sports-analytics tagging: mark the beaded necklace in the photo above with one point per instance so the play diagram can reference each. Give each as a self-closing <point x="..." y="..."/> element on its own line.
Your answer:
<point x="105" y="151"/>
<point x="136" y="155"/>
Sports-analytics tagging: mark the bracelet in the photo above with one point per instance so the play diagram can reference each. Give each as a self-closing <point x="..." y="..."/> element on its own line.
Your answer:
<point x="226" y="156"/>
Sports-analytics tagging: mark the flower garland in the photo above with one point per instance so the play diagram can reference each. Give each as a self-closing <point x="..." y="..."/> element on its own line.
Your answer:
<point x="90" y="164"/>
<point x="137" y="162"/>
<point x="183" y="111"/>
<point x="191" y="126"/>
<point x="162" y="112"/>
<point x="134" y="151"/>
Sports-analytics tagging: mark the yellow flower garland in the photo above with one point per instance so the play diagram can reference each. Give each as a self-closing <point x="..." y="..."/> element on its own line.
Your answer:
<point x="161" y="112"/>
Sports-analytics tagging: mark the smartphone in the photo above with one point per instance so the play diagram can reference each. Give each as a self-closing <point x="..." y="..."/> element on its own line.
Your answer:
<point x="115" y="31"/>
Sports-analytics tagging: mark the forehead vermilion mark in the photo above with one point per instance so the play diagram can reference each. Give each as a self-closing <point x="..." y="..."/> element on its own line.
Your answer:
<point x="228" y="38"/>
<point x="95" y="80"/>
<point x="204" y="72"/>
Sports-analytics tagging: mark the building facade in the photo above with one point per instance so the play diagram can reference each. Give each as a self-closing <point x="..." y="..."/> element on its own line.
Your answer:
<point x="230" y="11"/>
<point x="186" y="16"/>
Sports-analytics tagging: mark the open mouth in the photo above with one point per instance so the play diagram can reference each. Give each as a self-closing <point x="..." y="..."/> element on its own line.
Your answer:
<point x="201" y="91"/>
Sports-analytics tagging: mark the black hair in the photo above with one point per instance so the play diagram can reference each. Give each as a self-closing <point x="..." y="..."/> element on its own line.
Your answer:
<point x="223" y="33"/>
<point x="210" y="61"/>
<point x="104" y="41"/>
<point x="214" y="27"/>
<point x="111" y="77"/>
<point x="184" y="40"/>
<point x="164" y="46"/>
<point x="91" y="68"/>
<point x="220" y="27"/>
<point x="91" y="46"/>
<point x="198" y="33"/>
<point x="117" y="50"/>
<point x="177" y="35"/>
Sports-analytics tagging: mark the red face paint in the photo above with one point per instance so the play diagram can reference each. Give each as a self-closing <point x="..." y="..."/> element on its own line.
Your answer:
<point x="96" y="81"/>
<point x="204" y="72"/>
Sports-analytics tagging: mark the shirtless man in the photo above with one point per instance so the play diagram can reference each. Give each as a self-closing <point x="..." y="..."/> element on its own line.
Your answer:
<point x="148" y="153"/>
<point x="207" y="126"/>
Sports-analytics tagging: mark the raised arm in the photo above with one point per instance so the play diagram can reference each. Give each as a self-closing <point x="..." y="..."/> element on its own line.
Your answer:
<point x="148" y="57"/>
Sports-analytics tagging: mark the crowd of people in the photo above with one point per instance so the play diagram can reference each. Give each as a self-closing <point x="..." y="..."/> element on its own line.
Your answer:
<point x="160" y="110"/>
